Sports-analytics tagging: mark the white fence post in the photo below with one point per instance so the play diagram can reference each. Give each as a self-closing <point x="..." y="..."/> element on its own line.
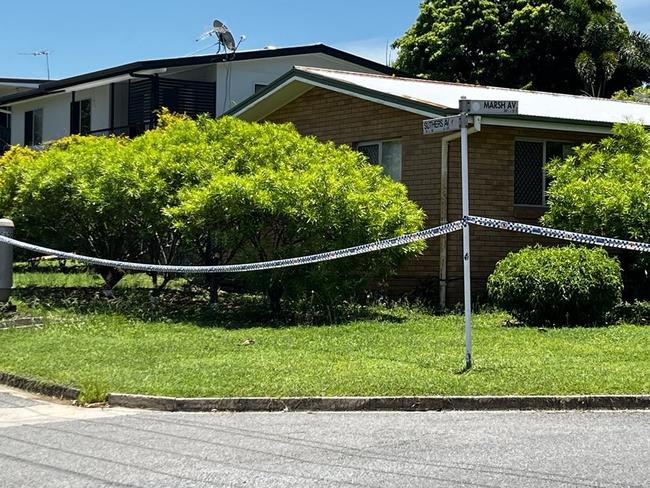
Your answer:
<point x="6" y="261"/>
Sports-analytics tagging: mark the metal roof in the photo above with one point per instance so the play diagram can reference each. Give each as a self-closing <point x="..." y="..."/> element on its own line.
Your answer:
<point x="22" y="81"/>
<point x="126" y="69"/>
<point x="440" y="98"/>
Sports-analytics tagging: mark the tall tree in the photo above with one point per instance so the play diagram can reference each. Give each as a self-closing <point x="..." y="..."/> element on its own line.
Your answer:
<point x="570" y="46"/>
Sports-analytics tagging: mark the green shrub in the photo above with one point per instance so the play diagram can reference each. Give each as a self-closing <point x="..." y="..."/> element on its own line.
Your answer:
<point x="557" y="286"/>
<point x="275" y="194"/>
<point x="604" y="189"/>
<point x="637" y="313"/>
<point x="214" y="192"/>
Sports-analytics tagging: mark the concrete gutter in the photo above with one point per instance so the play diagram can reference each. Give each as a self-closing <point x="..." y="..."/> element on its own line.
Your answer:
<point x="375" y="404"/>
<point x="40" y="387"/>
<point x="340" y="404"/>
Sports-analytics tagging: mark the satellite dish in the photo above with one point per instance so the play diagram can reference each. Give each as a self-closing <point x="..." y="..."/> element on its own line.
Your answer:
<point x="224" y="36"/>
<point x="219" y="27"/>
<point x="228" y="41"/>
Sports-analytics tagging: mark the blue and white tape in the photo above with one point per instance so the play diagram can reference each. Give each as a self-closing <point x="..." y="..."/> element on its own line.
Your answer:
<point x="239" y="268"/>
<point x="559" y="234"/>
<point x="341" y="253"/>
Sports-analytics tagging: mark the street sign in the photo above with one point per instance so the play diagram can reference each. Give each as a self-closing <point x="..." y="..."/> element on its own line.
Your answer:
<point x="442" y="124"/>
<point x="491" y="107"/>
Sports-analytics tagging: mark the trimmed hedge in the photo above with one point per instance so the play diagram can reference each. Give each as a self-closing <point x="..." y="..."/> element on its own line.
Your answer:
<point x="557" y="286"/>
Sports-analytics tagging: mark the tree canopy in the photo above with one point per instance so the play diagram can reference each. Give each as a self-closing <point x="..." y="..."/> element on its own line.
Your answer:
<point x="565" y="46"/>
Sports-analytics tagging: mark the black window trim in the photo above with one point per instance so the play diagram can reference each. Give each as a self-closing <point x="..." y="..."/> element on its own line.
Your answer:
<point x="544" y="143"/>
<point x="29" y="132"/>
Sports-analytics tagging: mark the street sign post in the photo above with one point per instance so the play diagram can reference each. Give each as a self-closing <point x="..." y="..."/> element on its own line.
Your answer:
<point x="442" y="124"/>
<point x="468" y="108"/>
<point x="492" y="107"/>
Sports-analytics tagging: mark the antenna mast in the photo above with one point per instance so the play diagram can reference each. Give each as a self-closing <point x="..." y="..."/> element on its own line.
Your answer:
<point x="41" y="53"/>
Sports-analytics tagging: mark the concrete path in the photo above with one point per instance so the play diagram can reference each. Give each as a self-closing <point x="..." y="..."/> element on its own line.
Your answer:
<point x="44" y="444"/>
<point x="19" y="408"/>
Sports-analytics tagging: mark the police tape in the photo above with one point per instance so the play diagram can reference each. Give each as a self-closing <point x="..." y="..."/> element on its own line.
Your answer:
<point x="558" y="234"/>
<point x="239" y="268"/>
<point x="341" y="253"/>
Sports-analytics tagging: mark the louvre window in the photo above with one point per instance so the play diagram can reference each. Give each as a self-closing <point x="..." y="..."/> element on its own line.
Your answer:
<point x="387" y="154"/>
<point x="531" y="182"/>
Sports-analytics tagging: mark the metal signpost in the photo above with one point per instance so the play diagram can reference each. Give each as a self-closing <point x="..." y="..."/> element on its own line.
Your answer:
<point x="468" y="108"/>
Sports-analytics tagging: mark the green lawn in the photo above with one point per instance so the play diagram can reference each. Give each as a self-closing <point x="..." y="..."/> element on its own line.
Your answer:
<point x="386" y="352"/>
<point x="44" y="277"/>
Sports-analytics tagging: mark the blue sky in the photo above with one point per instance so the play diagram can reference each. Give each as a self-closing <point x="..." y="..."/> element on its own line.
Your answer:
<point x="88" y="35"/>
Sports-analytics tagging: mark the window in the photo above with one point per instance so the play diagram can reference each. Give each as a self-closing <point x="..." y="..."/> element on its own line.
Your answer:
<point x="531" y="182"/>
<point x="84" y="116"/>
<point x="5" y="131"/>
<point x="34" y="127"/>
<point x="259" y="87"/>
<point x="387" y="154"/>
<point x="81" y="117"/>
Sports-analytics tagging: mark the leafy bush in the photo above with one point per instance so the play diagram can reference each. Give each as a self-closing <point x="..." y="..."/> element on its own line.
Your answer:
<point x="557" y="286"/>
<point x="633" y="313"/>
<point x="604" y="189"/>
<point x="214" y="192"/>
<point x="275" y="194"/>
<point x="92" y="195"/>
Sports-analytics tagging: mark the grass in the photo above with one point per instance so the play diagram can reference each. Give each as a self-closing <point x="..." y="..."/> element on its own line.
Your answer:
<point x="48" y="276"/>
<point x="132" y="346"/>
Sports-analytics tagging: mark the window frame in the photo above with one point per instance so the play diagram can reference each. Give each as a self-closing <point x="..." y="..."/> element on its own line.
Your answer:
<point x="90" y="116"/>
<point x="544" y="143"/>
<point x="33" y="142"/>
<point x="380" y="143"/>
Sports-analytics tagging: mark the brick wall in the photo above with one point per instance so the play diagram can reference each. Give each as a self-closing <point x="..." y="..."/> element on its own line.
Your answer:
<point x="343" y="119"/>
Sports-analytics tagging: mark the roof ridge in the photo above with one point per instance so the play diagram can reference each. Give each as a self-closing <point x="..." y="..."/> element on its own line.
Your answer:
<point x="469" y="85"/>
<point x="182" y="61"/>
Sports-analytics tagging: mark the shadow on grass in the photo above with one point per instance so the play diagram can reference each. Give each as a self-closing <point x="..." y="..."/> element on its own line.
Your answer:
<point x="542" y="328"/>
<point x="233" y="311"/>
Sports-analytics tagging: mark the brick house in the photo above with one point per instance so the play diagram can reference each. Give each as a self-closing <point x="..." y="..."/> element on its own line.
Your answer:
<point x="382" y="117"/>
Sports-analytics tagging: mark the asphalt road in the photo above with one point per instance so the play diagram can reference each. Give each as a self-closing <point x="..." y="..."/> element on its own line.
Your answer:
<point x="52" y="445"/>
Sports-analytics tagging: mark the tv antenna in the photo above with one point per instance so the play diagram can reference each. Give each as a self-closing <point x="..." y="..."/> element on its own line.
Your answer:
<point x="225" y="39"/>
<point x="41" y="53"/>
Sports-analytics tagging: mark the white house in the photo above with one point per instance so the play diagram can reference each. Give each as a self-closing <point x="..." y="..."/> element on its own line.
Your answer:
<point x="12" y="86"/>
<point x="124" y="99"/>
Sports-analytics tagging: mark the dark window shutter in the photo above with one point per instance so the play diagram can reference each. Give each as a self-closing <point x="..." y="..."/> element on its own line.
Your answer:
<point x="170" y="99"/>
<point x="29" y="128"/>
<point x="74" y="118"/>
